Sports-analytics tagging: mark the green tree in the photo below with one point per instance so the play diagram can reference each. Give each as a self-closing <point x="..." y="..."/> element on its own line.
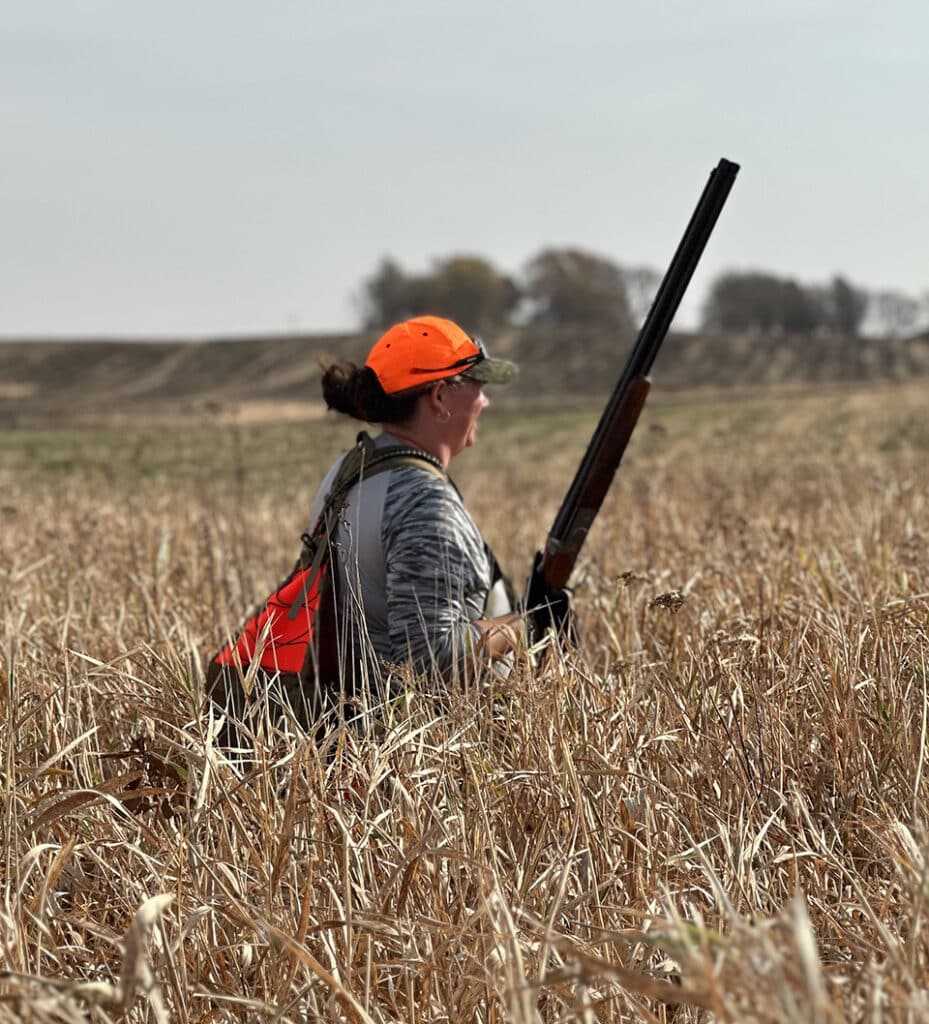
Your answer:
<point x="470" y="291"/>
<point x="571" y="286"/>
<point x="846" y="306"/>
<point x="757" y="301"/>
<point x="385" y="296"/>
<point x="467" y="289"/>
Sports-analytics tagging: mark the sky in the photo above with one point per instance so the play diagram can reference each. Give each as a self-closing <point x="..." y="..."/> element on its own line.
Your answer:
<point x="180" y="169"/>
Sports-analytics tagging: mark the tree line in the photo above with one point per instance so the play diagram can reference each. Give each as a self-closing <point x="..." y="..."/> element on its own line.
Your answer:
<point x="556" y="286"/>
<point x="559" y="286"/>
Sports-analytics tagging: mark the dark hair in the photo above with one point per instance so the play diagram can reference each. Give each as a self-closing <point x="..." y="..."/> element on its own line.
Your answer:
<point x="356" y="391"/>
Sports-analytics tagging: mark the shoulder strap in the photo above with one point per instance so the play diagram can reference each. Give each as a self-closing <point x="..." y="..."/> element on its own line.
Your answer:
<point x="363" y="461"/>
<point x="366" y="460"/>
<point x="379" y="459"/>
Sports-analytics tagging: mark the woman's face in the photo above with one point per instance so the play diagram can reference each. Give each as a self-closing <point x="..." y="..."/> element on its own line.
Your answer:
<point x="465" y="401"/>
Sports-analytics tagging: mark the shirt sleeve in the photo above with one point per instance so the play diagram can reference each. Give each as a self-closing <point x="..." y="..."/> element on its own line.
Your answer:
<point x="437" y="575"/>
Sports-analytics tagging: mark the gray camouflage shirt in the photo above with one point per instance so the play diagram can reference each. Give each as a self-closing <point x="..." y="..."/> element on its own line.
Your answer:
<point x="414" y="572"/>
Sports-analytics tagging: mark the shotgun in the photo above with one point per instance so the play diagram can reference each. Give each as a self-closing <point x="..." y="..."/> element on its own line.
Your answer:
<point x="553" y="566"/>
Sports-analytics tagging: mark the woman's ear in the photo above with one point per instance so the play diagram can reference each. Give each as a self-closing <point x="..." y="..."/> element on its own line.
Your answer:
<point x="437" y="395"/>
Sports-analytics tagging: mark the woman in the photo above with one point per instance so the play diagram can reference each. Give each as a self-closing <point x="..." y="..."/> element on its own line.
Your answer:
<point x="409" y="580"/>
<point x="415" y="582"/>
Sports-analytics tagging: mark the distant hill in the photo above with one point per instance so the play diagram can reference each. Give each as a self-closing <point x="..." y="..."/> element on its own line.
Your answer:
<point x="59" y="382"/>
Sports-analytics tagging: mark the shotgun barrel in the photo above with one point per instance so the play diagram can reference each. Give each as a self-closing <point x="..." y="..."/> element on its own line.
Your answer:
<point x="605" y="451"/>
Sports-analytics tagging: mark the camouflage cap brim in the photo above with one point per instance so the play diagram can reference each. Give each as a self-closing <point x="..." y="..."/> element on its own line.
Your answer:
<point x="492" y="371"/>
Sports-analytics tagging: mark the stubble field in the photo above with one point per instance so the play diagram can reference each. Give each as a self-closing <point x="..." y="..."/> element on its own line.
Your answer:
<point x="715" y="810"/>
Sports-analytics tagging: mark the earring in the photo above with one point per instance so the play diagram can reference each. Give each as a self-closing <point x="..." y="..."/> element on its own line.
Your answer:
<point x="444" y="418"/>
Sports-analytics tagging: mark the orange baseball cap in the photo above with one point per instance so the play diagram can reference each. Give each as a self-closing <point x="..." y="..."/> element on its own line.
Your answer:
<point x="428" y="348"/>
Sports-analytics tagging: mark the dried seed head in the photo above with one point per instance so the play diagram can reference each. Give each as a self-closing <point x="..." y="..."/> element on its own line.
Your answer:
<point x="672" y="600"/>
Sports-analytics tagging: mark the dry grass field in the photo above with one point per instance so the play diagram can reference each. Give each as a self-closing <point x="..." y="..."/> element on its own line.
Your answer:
<point x="716" y="810"/>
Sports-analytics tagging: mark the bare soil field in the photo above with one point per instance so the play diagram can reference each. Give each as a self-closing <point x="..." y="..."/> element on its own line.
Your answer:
<point x="714" y="810"/>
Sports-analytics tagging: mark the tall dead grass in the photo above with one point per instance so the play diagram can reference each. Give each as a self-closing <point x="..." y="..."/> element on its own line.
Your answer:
<point x="714" y="810"/>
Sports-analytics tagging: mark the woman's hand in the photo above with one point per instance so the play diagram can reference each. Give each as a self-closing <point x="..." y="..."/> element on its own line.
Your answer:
<point x="500" y="636"/>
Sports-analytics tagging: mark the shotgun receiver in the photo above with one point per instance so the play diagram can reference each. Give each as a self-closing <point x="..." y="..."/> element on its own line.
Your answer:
<point x="581" y="504"/>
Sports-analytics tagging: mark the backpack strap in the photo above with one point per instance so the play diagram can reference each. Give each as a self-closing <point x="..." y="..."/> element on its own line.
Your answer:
<point x="360" y="463"/>
<point x="378" y="460"/>
<point x="389" y="458"/>
<point x="366" y="460"/>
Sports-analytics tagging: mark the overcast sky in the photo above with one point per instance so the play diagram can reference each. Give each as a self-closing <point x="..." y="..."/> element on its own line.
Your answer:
<point x="193" y="169"/>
